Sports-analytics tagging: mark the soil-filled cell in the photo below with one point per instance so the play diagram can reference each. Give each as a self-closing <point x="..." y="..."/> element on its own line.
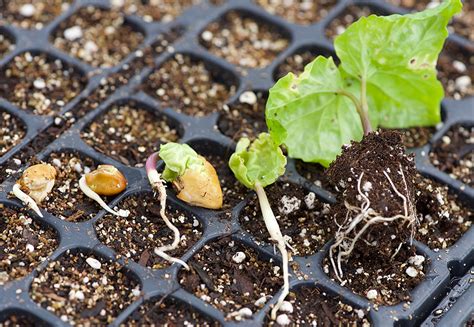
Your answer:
<point x="11" y="131"/>
<point x="163" y="11"/>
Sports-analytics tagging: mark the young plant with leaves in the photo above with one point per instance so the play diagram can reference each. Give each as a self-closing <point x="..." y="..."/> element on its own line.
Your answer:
<point x="256" y="166"/>
<point x="194" y="179"/>
<point x="386" y="78"/>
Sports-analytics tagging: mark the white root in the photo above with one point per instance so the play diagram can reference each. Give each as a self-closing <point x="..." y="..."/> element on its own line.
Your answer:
<point x="155" y="180"/>
<point x="274" y="230"/>
<point x="96" y="197"/>
<point x="344" y="244"/>
<point x="26" y="199"/>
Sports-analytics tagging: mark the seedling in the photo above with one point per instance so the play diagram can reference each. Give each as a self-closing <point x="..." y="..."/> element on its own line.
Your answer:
<point x="37" y="181"/>
<point x="194" y="179"/>
<point x="105" y="180"/>
<point x="258" y="165"/>
<point x="386" y="78"/>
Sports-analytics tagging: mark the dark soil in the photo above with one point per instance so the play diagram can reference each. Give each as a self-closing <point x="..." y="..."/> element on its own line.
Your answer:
<point x="313" y="307"/>
<point x="244" y="41"/>
<point x="21" y="320"/>
<point x="368" y="268"/>
<point x="43" y="12"/>
<point x="463" y="24"/>
<point x="232" y="190"/>
<point x="350" y="15"/>
<point x="39" y="83"/>
<point x="226" y="284"/>
<point x="103" y="37"/>
<point x="66" y="201"/>
<point x="299" y="12"/>
<point x="136" y="236"/>
<point x="203" y="88"/>
<point x="246" y="118"/>
<point x="24" y="244"/>
<point x="5" y="45"/>
<point x="80" y="294"/>
<point x="314" y="173"/>
<point x="456" y="71"/>
<point x="129" y="133"/>
<point x="416" y="137"/>
<point x="295" y="63"/>
<point x="11" y="131"/>
<point x="163" y="11"/>
<point x="454" y="154"/>
<point x="301" y="216"/>
<point x="168" y="312"/>
<point x="443" y="217"/>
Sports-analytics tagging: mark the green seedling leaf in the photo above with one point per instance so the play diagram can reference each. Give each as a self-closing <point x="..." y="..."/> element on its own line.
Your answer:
<point x="178" y="158"/>
<point x="387" y="73"/>
<point x="261" y="162"/>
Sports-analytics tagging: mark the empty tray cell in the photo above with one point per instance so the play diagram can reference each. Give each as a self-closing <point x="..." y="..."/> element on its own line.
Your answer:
<point x="6" y="44"/>
<point x="39" y="83"/>
<point x="32" y="14"/>
<point x="12" y="131"/>
<point x="454" y="154"/>
<point x="299" y="11"/>
<point x="136" y="236"/>
<point x="66" y="201"/>
<point x="100" y="37"/>
<point x="163" y="11"/>
<point x="297" y="61"/>
<point x="303" y="219"/>
<point x="373" y="274"/>
<point x="84" y="289"/>
<point x="231" y="276"/>
<point x="244" y="40"/>
<point x="245" y="117"/>
<point x="129" y="132"/>
<point x="310" y="306"/>
<point x="168" y="312"/>
<point x="24" y="243"/>
<point x="456" y="70"/>
<point x="203" y="88"/>
<point x="443" y="217"/>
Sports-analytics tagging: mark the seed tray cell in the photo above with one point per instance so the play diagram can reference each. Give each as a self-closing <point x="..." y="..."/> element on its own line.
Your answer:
<point x="125" y="81"/>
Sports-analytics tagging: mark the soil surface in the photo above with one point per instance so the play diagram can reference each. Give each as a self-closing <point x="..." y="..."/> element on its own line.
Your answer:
<point x="21" y="320"/>
<point x="295" y="63"/>
<point x="301" y="216"/>
<point x="456" y="70"/>
<point x="230" y="276"/>
<point x="244" y="41"/>
<point x="66" y="201"/>
<point x="137" y="236"/>
<point x="368" y="270"/>
<point x="299" y="12"/>
<point x="163" y="11"/>
<point x="350" y="15"/>
<point x="443" y="217"/>
<point x="24" y="244"/>
<point x="313" y="307"/>
<point x="129" y="133"/>
<point x="204" y="89"/>
<point x="82" y="288"/>
<point x="314" y="173"/>
<point x="5" y="45"/>
<point x="168" y="312"/>
<point x="454" y="154"/>
<point x="100" y="37"/>
<point x="246" y="118"/>
<point x="32" y="14"/>
<point x="11" y="131"/>
<point x="416" y="137"/>
<point x="39" y="83"/>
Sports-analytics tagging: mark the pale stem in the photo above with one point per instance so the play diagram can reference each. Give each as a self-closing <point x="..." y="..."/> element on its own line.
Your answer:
<point x="274" y="230"/>
<point x="96" y="197"/>
<point x="26" y="199"/>
<point x="361" y="106"/>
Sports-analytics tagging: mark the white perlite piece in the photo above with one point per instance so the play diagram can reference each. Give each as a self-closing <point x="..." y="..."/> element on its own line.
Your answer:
<point x="289" y="204"/>
<point x="73" y="33"/>
<point x="261" y="301"/>
<point x="27" y="10"/>
<point x="459" y="66"/>
<point x="367" y="186"/>
<point x="39" y="84"/>
<point x="416" y="260"/>
<point x="207" y="35"/>
<point x="372" y="294"/>
<point x="283" y="320"/>
<point x="463" y="82"/>
<point x="136" y="292"/>
<point x="94" y="263"/>
<point x="30" y="247"/>
<point x="248" y="97"/>
<point x="412" y="272"/>
<point x="239" y="257"/>
<point x="245" y="312"/>
<point x="309" y="200"/>
<point x="286" y="307"/>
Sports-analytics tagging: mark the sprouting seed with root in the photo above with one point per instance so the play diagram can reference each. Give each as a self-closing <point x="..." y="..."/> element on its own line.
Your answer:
<point x="194" y="179"/>
<point x="34" y="185"/>
<point x="105" y="180"/>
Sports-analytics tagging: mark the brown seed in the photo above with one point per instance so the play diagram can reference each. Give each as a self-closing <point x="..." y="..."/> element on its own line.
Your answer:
<point x="38" y="180"/>
<point x="106" y="180"/>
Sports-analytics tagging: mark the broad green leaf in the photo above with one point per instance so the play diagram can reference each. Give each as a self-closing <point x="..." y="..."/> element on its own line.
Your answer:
<point x="178" y="158"/>
<point x="307" y="115"/>
<point x="396" y="56"/>
<point x="260" y="162"/>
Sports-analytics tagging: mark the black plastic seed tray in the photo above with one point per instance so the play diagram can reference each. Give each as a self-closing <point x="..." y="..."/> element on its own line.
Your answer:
<point x="202" y="134"/>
